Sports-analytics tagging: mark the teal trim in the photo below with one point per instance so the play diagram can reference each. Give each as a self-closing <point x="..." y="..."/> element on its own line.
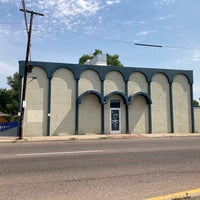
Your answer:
<point x="49" y="107"/>
<point x="97" y="94"/>
<point x="145" y="95"/>
<point x="126" y="72"/>
<point x="149" y="108"/>
<point x="127" y="110"/>
<point x="124" y="97"/>
<point x="192" y="108"/>
<point x="171" y="107"/>
<point x="102" y="109"/>
<point x="76" y="110"/>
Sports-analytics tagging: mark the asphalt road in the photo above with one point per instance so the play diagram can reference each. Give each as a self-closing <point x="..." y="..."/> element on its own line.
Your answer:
<point x="119" y="169"/>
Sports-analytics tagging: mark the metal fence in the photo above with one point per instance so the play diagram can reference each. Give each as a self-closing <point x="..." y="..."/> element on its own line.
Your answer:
<point x="7" y="125"/>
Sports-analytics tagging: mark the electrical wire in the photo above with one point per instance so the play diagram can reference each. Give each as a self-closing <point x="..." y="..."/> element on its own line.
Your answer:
<point x="108" y="38"/>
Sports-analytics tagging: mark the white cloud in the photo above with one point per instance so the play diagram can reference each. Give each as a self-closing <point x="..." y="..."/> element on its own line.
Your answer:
<point x="165" y="17"/>
<point x="196" y="56"/>
<point x="111" y="2"/>
<point x="63" y="8"/>
<point x="4" y="1"/>
<point x="163" y="2"/>
<point x="69" y="14"/>
<point x="143" y="33"/>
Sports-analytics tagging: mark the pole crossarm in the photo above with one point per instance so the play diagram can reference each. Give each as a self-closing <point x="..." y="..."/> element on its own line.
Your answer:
<point x="32" y="12"/>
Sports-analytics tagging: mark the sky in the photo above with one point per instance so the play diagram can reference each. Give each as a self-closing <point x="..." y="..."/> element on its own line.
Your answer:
<point x="71" y="28"/>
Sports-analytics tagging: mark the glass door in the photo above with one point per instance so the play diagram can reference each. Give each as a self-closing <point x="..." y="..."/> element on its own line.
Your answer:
<point x="115" y="116"/>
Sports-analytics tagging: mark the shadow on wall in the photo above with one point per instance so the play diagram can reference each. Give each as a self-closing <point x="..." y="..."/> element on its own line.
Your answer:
<point x="138" y="115"/>
<point x="63" y="103"/>
<point x="37" y="98"/>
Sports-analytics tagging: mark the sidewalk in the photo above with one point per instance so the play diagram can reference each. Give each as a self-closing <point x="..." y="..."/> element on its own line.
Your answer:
<point x="11" y="136"/>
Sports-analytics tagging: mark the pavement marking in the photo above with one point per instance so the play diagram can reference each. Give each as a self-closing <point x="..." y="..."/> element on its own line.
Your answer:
<point x="177" y="195"/>
<point x="58" y="153"/>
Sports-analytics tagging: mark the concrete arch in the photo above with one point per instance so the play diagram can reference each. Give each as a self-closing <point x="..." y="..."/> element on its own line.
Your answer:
<point x="63" y="67"/>
<point x="89" y="80"/>
<point x="91" y="68"/>
<point x="182" y="74"/>
<point x="138" y="114"/>
<point x="37" y="106"/>
<point x="114" y="81"/>
<point x="137" y="82"/>
<point x="160" y="93"/>
<point x="97" y="94"/>
<point x="143" y="94"/>
<point x="121" y="94"/>
<point x="181" y="104"/>
<point x="138" y="71"/>
<point x="63" y="98"/>
<point x="169" y="79"/>
<point x="89" y="117"/>
<point x="115" y="69"/>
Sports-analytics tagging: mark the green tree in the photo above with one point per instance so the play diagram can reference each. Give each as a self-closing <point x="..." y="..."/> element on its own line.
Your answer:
<point x="112" y="60"/>
<point x="9" y="97"/>
<point x="195" y="103"/>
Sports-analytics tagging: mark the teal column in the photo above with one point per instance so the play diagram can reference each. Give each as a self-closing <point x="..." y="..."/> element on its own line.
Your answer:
<point x="171" y="107"/>
<point x="102" y="108"/>
<point x="76" y="119"/>
<point x="192" y="108"/>
<point x="149" y="108"/>
<point x="49" y="107"/>
<point x="127" y="111"/>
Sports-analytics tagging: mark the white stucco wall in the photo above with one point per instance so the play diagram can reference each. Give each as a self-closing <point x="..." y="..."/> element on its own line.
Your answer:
<point x="138" y="116"/>
<point x="160" y="104"/>
<point x="137" y="83"/>
<point x="62" y="103"/>
<point x="89" y="80"/>
<point x="114" y="82"/>
<point x="197" y="119"/>
<point x="181" y="104"/>
<point x="35" y="122"/>
<point x="90" y="115"/>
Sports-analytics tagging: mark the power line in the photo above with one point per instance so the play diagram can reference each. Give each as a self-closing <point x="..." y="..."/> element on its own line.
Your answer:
<point x="51" y="29"/>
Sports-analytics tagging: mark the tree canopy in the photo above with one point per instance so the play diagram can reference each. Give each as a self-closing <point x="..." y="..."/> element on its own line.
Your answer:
<point x="195" y="103"/>
<point x="9" y="97"/>
<point x="112" y="60"/>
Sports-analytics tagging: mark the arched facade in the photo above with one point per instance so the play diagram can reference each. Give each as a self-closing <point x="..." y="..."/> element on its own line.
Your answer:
<point x="65" y="99"/>
<point x="62" y="102"/>
<point x="35" y="120"/>
<point x="161" y="104"/>
<point x="181" y="104"/>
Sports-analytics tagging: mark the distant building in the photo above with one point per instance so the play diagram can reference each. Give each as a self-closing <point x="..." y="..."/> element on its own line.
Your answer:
<point x="100" y="59"/>
<point x="82" y="99"/>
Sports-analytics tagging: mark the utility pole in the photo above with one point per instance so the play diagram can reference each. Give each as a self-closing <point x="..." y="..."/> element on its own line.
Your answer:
<point x="26" y="70"/>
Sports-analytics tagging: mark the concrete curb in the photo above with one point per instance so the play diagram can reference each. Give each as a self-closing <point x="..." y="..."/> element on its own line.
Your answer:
<point x="95" y="137"/>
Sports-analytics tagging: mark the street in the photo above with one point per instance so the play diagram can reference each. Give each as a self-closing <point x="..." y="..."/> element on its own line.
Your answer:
<point x="120" y="169"/>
